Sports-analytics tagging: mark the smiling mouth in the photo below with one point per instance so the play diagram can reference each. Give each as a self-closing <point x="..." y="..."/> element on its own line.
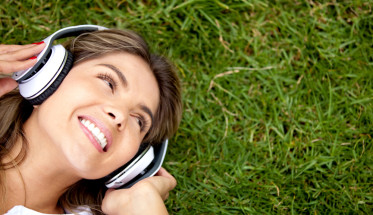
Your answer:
<point x="96" y="132"/>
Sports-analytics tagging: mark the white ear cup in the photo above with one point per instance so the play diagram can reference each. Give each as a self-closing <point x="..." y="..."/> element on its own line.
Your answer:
<point x="49" y="71"/>
<point x="62" y="33"/>
<point x="132" y="170"/>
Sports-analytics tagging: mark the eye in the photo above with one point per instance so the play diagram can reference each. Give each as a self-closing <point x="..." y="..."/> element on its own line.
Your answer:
<point x="141" y="121"/>
<point x="107" y="78"/>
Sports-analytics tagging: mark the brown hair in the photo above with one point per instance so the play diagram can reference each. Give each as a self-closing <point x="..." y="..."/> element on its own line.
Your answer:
<point x="14" y="110"/>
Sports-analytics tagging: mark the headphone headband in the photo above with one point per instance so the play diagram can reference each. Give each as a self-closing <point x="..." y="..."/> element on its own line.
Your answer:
<point x="62" y="33"/>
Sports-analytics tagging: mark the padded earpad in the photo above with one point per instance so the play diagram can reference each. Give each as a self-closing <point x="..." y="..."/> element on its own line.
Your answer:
<point x="53" y="87"/>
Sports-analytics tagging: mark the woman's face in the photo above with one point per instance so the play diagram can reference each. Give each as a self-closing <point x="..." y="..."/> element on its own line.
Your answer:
<point x="101" y="112"/>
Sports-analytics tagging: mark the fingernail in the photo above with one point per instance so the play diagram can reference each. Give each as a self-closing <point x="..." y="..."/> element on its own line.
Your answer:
<point x="38" y="43"/>
<point x="32" y="58"/>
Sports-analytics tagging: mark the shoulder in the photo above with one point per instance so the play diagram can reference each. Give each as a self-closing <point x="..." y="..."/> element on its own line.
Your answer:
<point x="21" y="210"/>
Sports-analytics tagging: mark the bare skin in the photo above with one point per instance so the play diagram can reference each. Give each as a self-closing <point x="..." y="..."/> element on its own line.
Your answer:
<point x="30" y="185"/>
<point x="14" y="58"/>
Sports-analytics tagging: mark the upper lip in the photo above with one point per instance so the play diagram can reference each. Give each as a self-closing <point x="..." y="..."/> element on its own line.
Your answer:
<point x="102" y="128"/>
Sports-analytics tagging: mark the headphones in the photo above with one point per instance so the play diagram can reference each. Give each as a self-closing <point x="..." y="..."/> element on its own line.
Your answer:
<point x="39" y="82"/>
<point x="145" y="164"/>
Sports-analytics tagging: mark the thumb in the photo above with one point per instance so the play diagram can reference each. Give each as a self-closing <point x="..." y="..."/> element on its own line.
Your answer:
<point x="7" y="85"/>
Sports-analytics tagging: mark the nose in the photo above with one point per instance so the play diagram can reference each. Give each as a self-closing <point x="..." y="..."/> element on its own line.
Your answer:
<point x="116" y="116"/>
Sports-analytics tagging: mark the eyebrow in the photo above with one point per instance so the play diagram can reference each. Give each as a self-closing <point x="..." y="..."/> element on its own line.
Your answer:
<point x="117" y="71"/>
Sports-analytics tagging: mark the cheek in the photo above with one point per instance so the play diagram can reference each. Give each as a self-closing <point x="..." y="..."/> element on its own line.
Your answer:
<point x="125" y="149"/>
<point x="60" y="106"/>
<point x="71" y="92"/>
<point x="70" y="86"/>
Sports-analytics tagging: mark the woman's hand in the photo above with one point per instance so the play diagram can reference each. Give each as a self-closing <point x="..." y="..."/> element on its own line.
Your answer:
<point x="145" y="197"/>
<point x="14" y="58"/>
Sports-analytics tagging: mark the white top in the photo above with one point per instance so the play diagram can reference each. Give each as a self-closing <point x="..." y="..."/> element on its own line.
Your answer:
<point x="21" y="210"/>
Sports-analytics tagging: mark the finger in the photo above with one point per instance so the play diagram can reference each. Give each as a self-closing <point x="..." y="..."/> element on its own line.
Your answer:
<point x="7" y="67"/>
<point x="4" y="48"/>
<point x="163" y="172"/>
<point x="109" y="191"/>
<point x="7" y="85"/>
<point x="22" y="54"/>
<point x="162" y="184"/>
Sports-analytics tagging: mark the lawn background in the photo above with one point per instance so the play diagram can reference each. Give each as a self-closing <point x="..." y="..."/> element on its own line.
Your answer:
<point x="277" y="96"/>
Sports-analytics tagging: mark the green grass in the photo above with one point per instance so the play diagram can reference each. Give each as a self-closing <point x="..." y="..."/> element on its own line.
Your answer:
<point x="277" y="97"/>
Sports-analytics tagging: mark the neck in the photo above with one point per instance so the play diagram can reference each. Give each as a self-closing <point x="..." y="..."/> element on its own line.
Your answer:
<point x="40" y="179"/>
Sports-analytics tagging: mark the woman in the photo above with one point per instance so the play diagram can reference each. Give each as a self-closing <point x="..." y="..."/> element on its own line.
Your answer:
<point x="51" y="163"/>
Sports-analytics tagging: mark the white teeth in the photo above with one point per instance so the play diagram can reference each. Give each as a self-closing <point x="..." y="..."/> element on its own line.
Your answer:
<point x="100" y="137"/>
